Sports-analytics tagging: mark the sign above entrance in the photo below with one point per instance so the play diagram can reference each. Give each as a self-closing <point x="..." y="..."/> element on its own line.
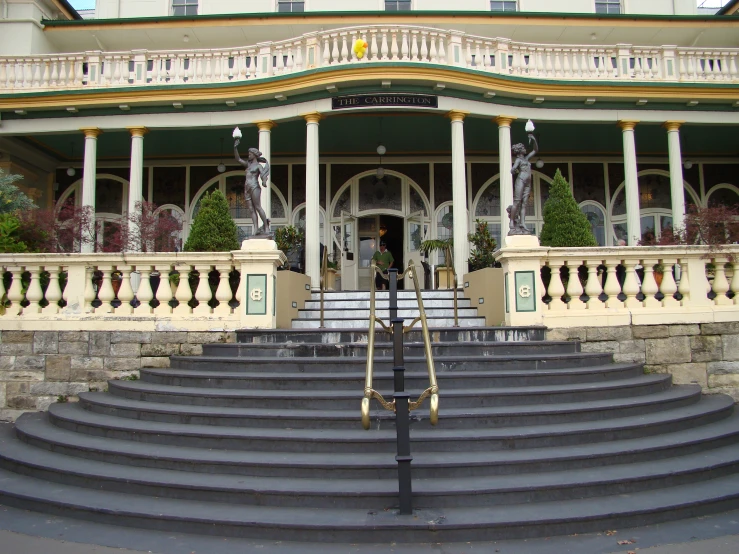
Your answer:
<point x="385" y="99"/>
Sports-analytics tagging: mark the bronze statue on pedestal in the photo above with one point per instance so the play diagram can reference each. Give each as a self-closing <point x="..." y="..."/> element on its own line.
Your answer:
<point x="252" y="190"/>
<point x="522" y="187"/>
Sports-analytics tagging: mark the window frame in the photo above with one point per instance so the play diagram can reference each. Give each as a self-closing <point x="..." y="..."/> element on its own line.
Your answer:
<point x="290" y="3"/>
<point x="504" y="2"/>
<point x="396" y="2"/>
<point x="184" y="4"/>
<point x="608" y="4"/>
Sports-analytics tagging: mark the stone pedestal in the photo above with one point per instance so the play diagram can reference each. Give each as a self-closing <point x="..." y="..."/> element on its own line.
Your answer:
<point x="258" y="261"/>
<point x="523" y="289"/>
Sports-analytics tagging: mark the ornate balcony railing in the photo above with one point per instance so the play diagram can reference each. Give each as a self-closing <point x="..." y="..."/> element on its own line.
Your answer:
<point x="622" y="286"/>
<point x="401" y="43"/>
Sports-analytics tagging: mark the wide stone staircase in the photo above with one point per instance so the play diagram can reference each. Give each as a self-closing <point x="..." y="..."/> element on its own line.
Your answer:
<point x="262" y="438"/>
<point x="350" y="310"/>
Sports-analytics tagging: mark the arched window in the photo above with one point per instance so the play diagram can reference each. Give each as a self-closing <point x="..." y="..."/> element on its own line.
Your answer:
<point x="655" y="207"/>
<point x="723" y="195"/>
<point x="596" y="215"/>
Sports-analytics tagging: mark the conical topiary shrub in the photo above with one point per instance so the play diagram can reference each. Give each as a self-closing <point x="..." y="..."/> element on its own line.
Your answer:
<point x="564" y="224"/>
<point x="213" y="230"/>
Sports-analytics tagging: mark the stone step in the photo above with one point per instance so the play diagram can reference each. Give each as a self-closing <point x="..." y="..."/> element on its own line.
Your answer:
<point x="482" y="334"/>
<point x="351" y="525"/>
<point x="354" y="381"/>
<point x="411" y="363"/>
<point x="327" y="400"/>
<point x="385" y="295"/>
<point x="73" y="417"/>
<point x="36" y="430"/>
<point x="408" y="314"/>
<point x="324" y="492"/>
<point x="384" y="304"/>
<point x="460" y="418"/>
<point x="364" y="323"/>
<point x="385" y="349"/>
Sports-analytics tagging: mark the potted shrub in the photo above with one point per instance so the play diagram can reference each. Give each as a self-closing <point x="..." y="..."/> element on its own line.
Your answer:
<point x="289" y="239"/>
<point x="484" y="247"/>
<point x="445" y="273"/>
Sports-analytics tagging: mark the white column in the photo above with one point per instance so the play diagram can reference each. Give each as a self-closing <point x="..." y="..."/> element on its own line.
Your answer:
<point x="631" y="184"/>
<point x="135" y="186"/>
<point x="312" y="213"/>
<point x="88" y="179"/>
<point x="504" y="168"/>
<point x="677" y="193"/>
<point x="265" y="147"/>
<point x="459" y="192"/>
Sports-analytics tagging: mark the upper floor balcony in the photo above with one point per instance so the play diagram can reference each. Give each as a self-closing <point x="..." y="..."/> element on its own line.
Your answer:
<point x="404" y="44"/>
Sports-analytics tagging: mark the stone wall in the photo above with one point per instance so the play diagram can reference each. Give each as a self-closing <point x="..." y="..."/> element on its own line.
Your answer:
<point x="38" y="367"/>
<point x="705" y="353"/>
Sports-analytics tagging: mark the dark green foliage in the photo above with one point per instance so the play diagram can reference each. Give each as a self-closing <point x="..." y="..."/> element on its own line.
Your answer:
<point x="484" y="244"/>
<point x="10" y="239"/>
<point x="13" y="199"/>
<point x="213" y="230"/>
<point x="564" y="224"/>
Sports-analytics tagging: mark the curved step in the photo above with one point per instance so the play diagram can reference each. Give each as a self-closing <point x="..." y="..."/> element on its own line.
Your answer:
<point x="385" y="349"/>
<point x="350" y="399"/>
<point x="37" y="430"/>
<point x="412" y="363"/>
<point x="325" y="491"/>
<point x="499" y="416"/>
<point x="364" y="323"/>
<point x="383" y="380"/>
<point x="514" y="334"/>
<point x="354" y="525"/>
<point x="73" y="417"/>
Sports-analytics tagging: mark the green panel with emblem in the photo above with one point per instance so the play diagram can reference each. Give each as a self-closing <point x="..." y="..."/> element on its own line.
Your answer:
<point x="256" y="294"/>
<point x="525" y="291"/>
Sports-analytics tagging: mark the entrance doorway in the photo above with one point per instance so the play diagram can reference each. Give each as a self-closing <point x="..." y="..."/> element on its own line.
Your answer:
<point x="373" y="229"/>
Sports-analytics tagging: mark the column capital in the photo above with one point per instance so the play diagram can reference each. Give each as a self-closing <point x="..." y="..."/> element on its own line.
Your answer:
<point x="91" y="132"/>
<point x="312" y="117"/>
<point x="137" y="131"/>
<point x="504" y="120"/>
<point x="672" y="125"/>
<point x="627" y="124"/>
<point x="265" y="124"/>
<point x="457" y="115"/>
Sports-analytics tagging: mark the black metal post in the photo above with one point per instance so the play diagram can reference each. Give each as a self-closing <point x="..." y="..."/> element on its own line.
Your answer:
<point x="402" y="411"/>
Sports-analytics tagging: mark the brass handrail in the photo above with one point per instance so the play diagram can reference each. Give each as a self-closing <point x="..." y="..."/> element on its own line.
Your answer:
<point x="450" y="268"/>
<point x="433" y="389"/>
<point x="324" y="276"/>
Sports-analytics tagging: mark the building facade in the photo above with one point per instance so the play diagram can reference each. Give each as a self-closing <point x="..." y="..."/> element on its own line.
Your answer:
<point x="407" y="138"/>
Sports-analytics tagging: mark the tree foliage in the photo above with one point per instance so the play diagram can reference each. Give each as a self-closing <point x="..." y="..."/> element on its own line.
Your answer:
<point x="13" y="199"/>
<point x="10" y="238"/>
<point x="564" y="224"/>
<point x="213" y="230"/>
<point x="484" y="247"/>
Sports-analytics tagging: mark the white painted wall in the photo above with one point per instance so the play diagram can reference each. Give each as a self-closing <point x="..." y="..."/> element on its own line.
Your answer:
<point x="152" y="8"/>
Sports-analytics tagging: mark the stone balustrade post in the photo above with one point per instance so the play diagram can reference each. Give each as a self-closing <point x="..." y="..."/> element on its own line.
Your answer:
<point x="520" y="259"/>
<point x="258" y="261"/>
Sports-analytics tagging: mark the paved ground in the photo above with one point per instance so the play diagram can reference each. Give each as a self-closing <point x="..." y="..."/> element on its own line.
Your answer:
<point x="23" y="532"/>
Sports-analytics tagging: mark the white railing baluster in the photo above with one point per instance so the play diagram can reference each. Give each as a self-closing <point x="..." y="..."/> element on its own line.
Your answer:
<point x="106" y="294"/>
<point x="183" y="294"/>
<point x="556" y="289"/>
<point x="144" y="294"/>
<point x="574" y="287"/>
<point x="612" y="288"/>
<point x="203" y="293"/>
<point x="668" y="287"/>
<point x="164" y="290"/>
<point x="649" y="286"/>
<point x="53" y="291"/>
<point x="720" y="283"/>
<point x="125" y="292"/>
<point x="15" y="292"/>
<point x="593" y="288"/>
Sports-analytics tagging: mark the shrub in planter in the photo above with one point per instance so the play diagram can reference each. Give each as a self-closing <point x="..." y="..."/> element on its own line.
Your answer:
<point x="564" y="224"/>
<point x="213" y="230"/>
<point x="484" y="247"/>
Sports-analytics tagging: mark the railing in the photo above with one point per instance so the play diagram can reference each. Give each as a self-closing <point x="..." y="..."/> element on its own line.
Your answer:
<point x="450" y="270"/>
<point x="401" y="404"/>
<point x="626" y="285"/>
<point x="324" y="278"/>
<point x="202" y="286"/>
<point x="397" y="43"/>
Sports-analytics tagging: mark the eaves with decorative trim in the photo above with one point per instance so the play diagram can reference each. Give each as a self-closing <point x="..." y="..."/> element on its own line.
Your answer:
<point x="411" y="54"/>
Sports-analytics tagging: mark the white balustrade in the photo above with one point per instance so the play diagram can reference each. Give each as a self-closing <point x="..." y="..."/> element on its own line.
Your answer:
<point x="405" y="43"/>
<point x="640" y="282"/>
<point x="40" y="282"/>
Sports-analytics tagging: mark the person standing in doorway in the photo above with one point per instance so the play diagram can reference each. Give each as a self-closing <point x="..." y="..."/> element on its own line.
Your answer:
<point x="384" y="260"/>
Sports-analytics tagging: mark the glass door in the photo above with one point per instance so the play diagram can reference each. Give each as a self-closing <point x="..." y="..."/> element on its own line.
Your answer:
<point x="415" y="234"/>
<point x="349" y="251"/>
